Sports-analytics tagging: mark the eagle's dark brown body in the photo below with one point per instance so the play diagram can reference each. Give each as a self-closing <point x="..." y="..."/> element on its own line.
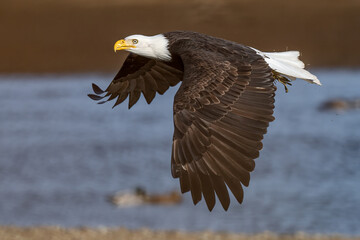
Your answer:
<point x="221" y="110"/>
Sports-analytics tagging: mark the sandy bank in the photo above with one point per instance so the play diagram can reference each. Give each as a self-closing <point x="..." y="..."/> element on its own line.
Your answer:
<point x="56" y="233"/>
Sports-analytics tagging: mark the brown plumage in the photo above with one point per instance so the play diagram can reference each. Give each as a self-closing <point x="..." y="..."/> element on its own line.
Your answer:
<point x="221" y="110"/>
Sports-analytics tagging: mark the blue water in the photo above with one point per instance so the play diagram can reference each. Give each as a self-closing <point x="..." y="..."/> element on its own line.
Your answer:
<point x="61" y="155"/>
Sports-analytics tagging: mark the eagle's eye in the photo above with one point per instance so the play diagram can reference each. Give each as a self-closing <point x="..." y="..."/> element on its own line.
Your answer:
<point x="135" y="41"/>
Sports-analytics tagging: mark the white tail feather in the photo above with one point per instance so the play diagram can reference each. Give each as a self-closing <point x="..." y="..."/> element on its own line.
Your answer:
<point x="288" y="64"/>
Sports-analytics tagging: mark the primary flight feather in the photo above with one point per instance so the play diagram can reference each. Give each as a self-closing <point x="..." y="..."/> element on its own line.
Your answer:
<point x="221" y="110"/>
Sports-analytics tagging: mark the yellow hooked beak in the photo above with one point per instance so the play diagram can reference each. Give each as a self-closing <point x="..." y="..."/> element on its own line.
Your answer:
<point x="123" y="45"/>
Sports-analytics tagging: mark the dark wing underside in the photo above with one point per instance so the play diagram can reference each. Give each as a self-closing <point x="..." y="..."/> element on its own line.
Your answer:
<point x="220" y="117"/>
<point x="140" y="75"/>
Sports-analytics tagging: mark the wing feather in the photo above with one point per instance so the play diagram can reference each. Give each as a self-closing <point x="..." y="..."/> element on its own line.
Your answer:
<point x="195" y="185"/>
<point x="221" y="191"/>
<point x="207" y="189"/>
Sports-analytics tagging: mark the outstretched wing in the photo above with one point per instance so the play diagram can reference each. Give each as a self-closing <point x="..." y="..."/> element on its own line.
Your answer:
<point x="140" y="75"/>
<point x="220" y="117"/>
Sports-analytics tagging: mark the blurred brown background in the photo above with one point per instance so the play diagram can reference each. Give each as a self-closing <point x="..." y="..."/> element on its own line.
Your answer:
<point x="78" y="35"/>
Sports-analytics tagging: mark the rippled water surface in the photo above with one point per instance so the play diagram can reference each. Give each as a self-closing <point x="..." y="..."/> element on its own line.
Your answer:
<point x="61" y="155"/>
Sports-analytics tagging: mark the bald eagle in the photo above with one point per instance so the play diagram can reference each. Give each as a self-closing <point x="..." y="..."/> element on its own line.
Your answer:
<point x="221" y="110"/>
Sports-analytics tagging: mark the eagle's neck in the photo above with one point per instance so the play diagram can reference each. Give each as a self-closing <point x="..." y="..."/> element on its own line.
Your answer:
<point x="160" y="46"/>
<point x="156" y="47"/>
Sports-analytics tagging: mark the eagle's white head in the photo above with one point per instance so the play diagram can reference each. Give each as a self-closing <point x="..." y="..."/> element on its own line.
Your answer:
<point x="146" y="46"/>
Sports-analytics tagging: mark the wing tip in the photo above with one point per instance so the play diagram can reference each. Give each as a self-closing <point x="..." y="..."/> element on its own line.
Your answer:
<point x="95" y="97"/>
<point x="97" y="89"/>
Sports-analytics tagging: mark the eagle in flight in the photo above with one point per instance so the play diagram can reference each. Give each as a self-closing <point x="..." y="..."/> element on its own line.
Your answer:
<point x="221" y="110"/>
